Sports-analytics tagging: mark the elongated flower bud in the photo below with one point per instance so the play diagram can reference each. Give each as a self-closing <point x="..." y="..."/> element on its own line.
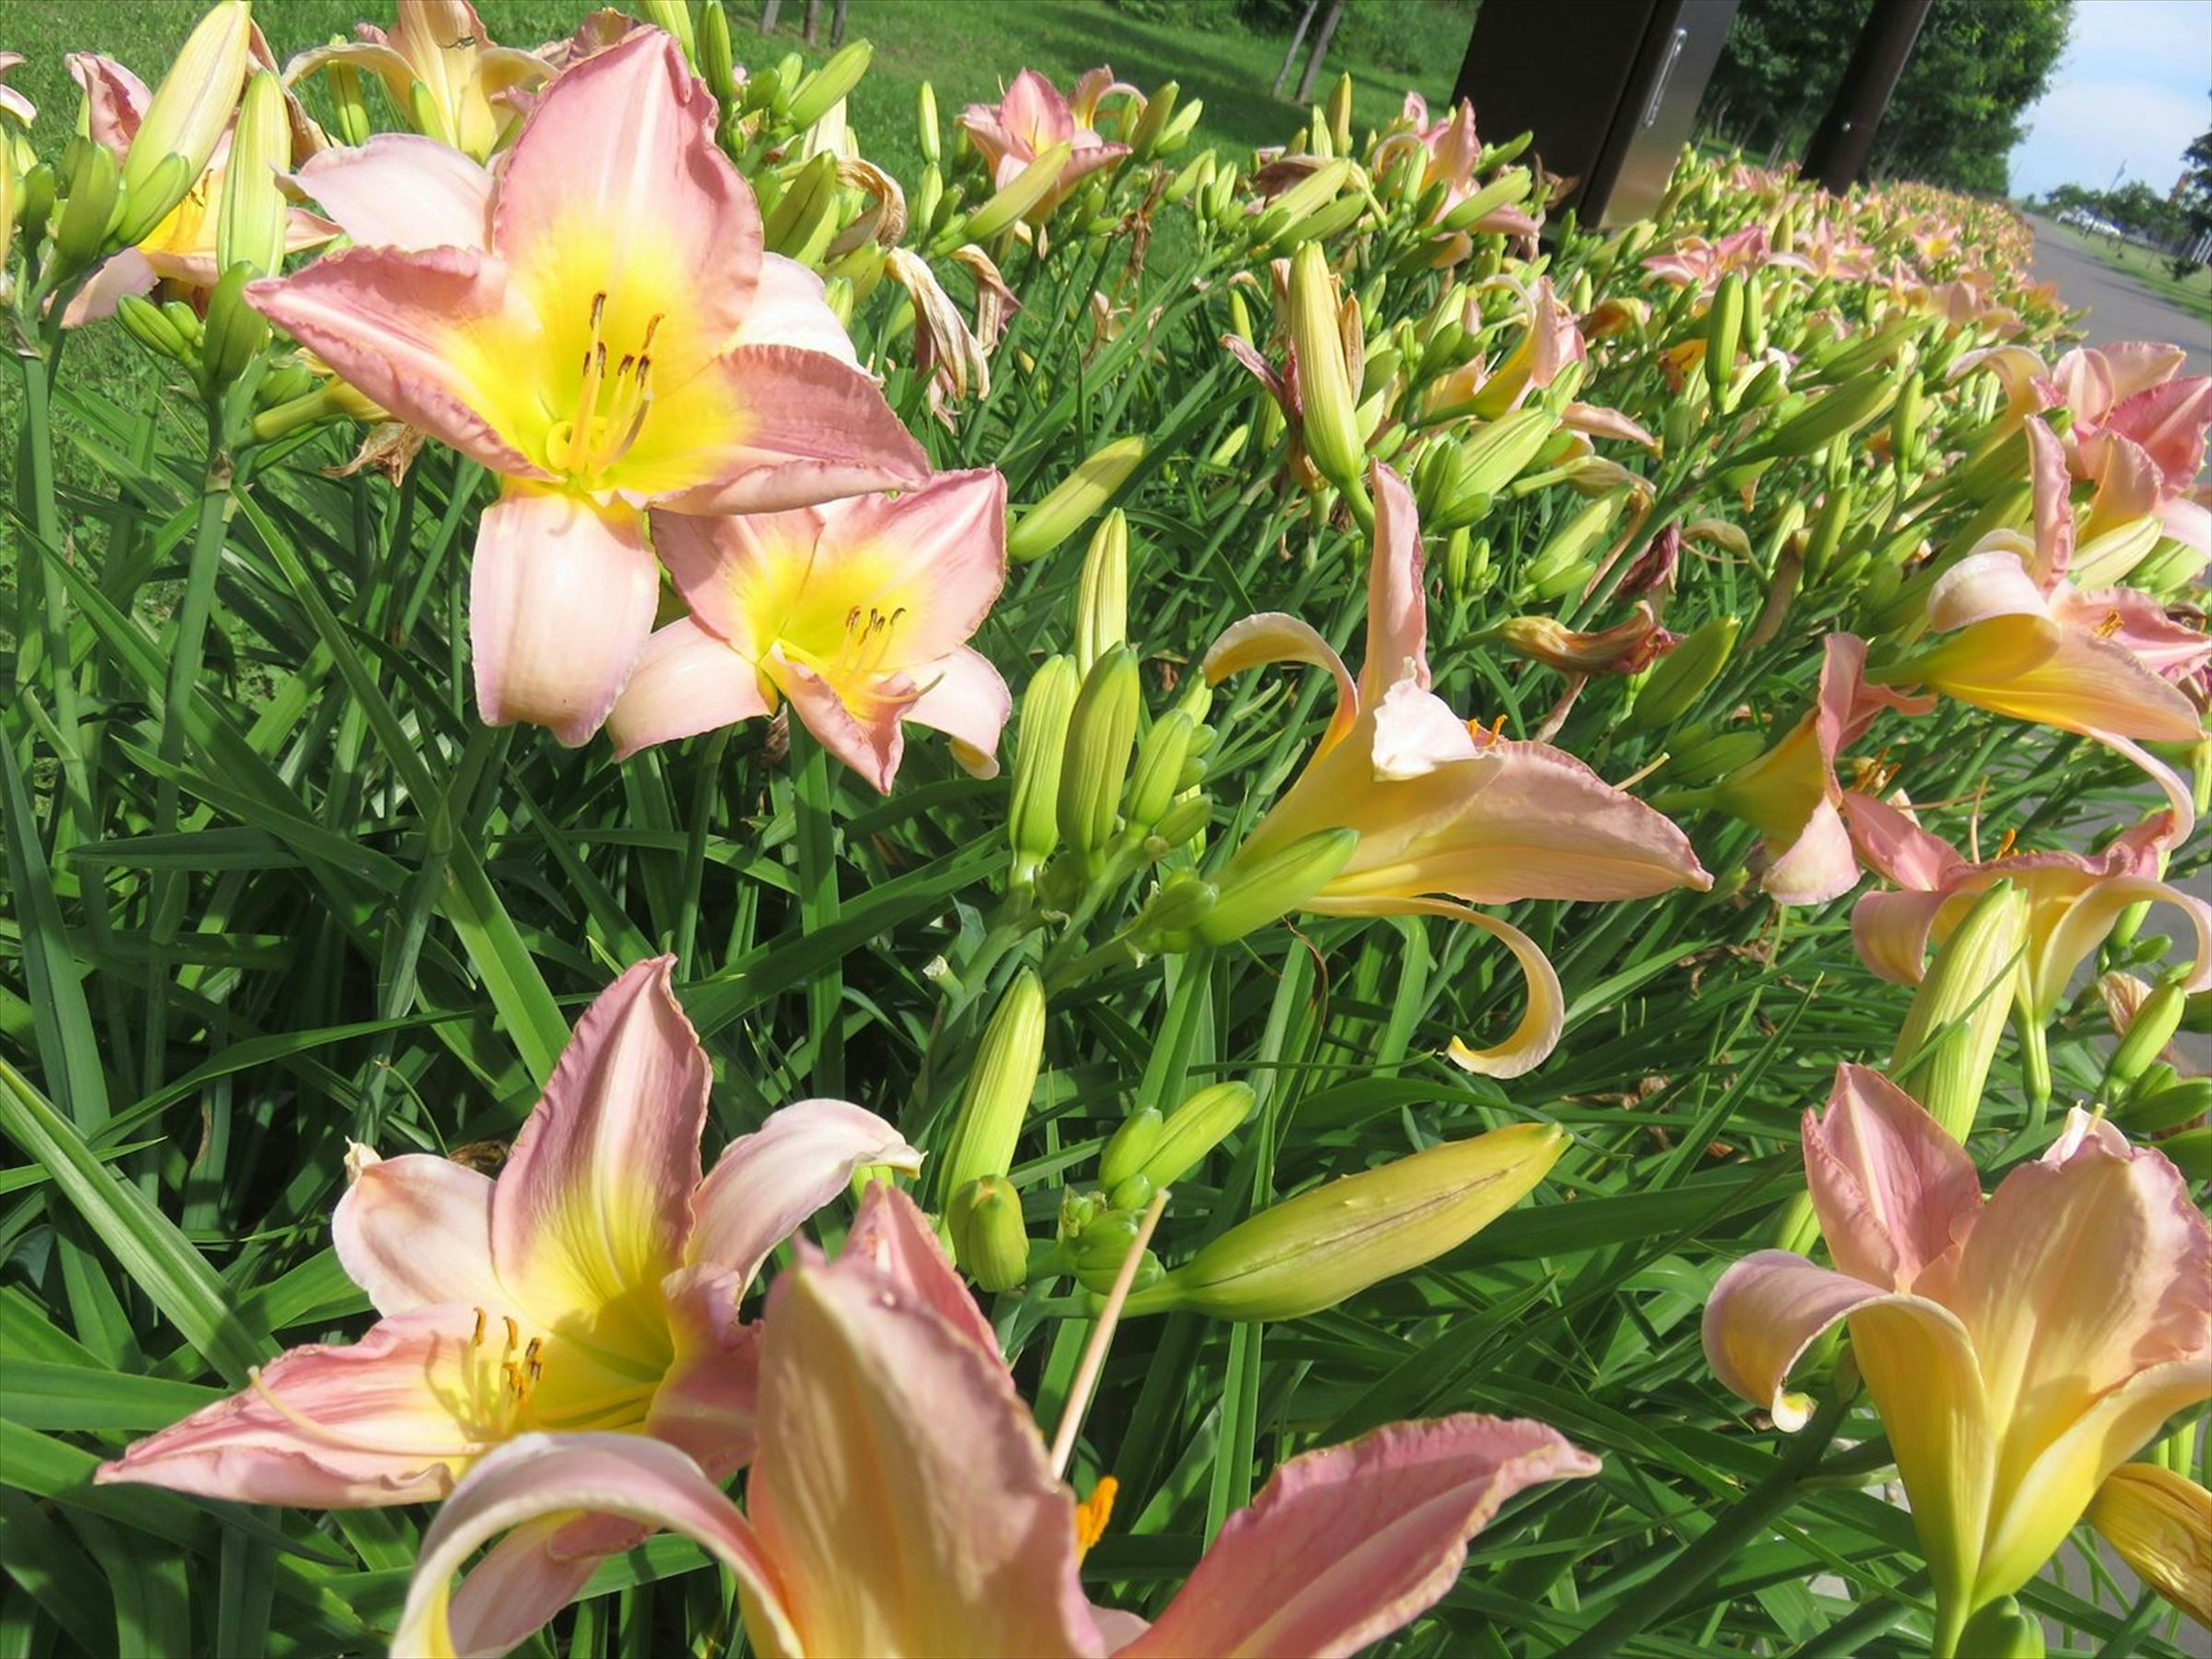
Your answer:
<point x="925" y="126"/>
<point x="1075" y="500"/>
<point x="1507" y="189"/>
<point x="250" y="229"/>
<point x="673" y="16"/>
<point x="1833" y="415"/>
<point x="1101" y="598"/>
<point x="2150" y="1111"/>
<point x="718" y="65"/>
<point x="1152" y="125"/>
<point x="1130" y="1146"/>
<point x="1324" y="382"/>
<point x="2003" y="1630"/>
<point x="1040" y="743"/>
<point x="80" y="233"/>
<point x="1312" y="1251"/>
<point x="1157" y="775"/>
<point x="1502" y="449"/>
<point x="802" y="217"/>
<point x="235" y="330"/>
<point x="1100" y="735"/>
<point x="186" y="116"/>
<point x="818" y="93"/>
<point x="1577" y="538"/>
<point x="1723" y="334"/>
<point x="997" y="1097"/>
<point x="1195" y="1128"/>
<point x="1186" y="818"/>
<point x="1950" y="1034"/>
<point x="1256" y="892"/>
<point x="1023" y="192"/>
<point x="2148" y="1032"/>
<point x="1684" y="674"/>
<point x="989" y="1240"/>
<point x="349" y="117"/>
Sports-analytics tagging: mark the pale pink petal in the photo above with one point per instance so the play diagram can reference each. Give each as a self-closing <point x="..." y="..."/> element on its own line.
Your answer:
<point x="402" y="190"/>
<point x="1344" y="1546"/>
<point x="1035" y="113"/>
<point x="896" y="1239"/>
<point x="856" y="718"/>
<point x="593" y="1208"/>
<point x="2169" y="421"/>
<point x="934" y="556"/>
<point x="391" y="1418"/>
<point x="709" y="1403"/>
<point x="788" y="310"/>
<point x="963" y="696"/>
<point x="1273" y="636"/>
<point x="1891" y="931"/>
<point x="115" y="100"/>
<point x="2190" y="523"/>
<point x="2054" y="505"/>
<point x="689" y="681"/>
<point x="614" y="184"/>
<point x="2138" y="365"/>
<point x="1606" y="423"/>
<point x="2138" y="623"/>
<point x="1397" y="606"/>
<point x="1893" y="1191"/>
<point x="2083" y="924"/>
<point x="408" y="329"/>
<point x="901" y="1487"/>
<point x="733" y="571"/>
<point x="766" y="1183"/>
<point x="561" y="599"/>
<point x="1896" y="847"/>
<point x="808" y="429"/>
<point x="1818" y="865"/>
<point x="1415" y="732"/>
<point x="1983" y="585"/>
<point x="537" y="1477"/>
<point x="129" y="271"/>
<point x="415" y="1231"/>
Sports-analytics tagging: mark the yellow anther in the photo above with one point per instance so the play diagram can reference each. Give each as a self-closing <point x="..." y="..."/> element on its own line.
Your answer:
<point x="2112" y="624"/>
<point x="2010" y="841"/>
<point x="513" y="1335"/>
<point x="1487" y="734"/>
<point x="476" y="1336"/>
<point x="1092" y="1513"/>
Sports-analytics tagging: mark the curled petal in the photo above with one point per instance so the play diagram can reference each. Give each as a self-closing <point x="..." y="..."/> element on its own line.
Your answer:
<point x="689" y="681"/>
<point x="2161" y="1524"/>
<point x="1415" y="733"/>
<point x="414" y="1231"/>
<point x="894" y="1238"/>
<point x="1818" y="865"/>
<point x="403" y="190"/>
<point x="1397" y="607"/>
<point x="1893" y="1191"/>
<point x="963" y="696"/>
<point x="1273" y="636"/>
<point x="787" y="309"/>
<point x="856" y="717"/>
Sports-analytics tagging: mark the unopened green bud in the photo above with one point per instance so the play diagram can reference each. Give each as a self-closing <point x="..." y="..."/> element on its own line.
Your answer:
<point x="1098" y="1265"/>
<point x="1312" y="1251"/>
<point x="1075" y="500"/>
<point x="1040" y="743"/>
<point x="1828" y="531"/>
<point x="2154" y="1111"/>
<point x="1145" y="138"/>
<point x="235" y="330"/>
<point x="1256" y="891"/>
<point x="989" y="1240"/>
<point x="1179" y="129"/>
<point x="1754" y="312"/>
<point x="1723" y="334"/>
<point x="1019" y="195"/>
<point x="1101" y="733"/>
<point x="1950" y="1034"/>
<point x="349" y="118"/>
<point x="1684" y="674"/>
<point x="1904" y="421"/>
<point x="1324" y="381"/>
<point x="1833" y="415"/>
<point x="1157" y="775"/>
<point x="1131" y="1194"/>
<point x="1130" y="1146"/>
<point x="1502" y="449"/>
<point x="1576" y="539"/>
<point x="1701" y="756"/>
<point x="819" y="92"/>
<point x="81" y="234"/>
<point x="925" y="126"/>
<point x="1000" y="1084"/>
<point x="718" y="65"/>
<point x="804" y="215"/>
<point x="1506" y="189"/>
<point x="1195" y="1128"/>
<point x="1322" y="223"/>
<point x="426" y="115"/>
<point x="2003" y="1630"/>
<point x="1186" y="818"/>
<point x="187" y="114"/>
<point x="250" y="225"/>
<point x="1102" y="597"/>
<point x="1337" y="112"/>
<point x="2152" y="1027"/>
<point x="150" y="326"/>
<point x="674" y="16"/>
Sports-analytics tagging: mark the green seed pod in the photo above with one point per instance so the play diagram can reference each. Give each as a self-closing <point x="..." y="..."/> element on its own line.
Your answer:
<point x="989" y="1240"/>
<point x="1678" y="679"/>
<point x="1254" y="892"/>
<point x="1101" y="735"/>
<point x="1130" y="1146"/>
<point x="1331" y="1242"/>
<point x="1195" y="1128"/>
<point x="1040" y="745"/>
<point x="997" y="1098"/>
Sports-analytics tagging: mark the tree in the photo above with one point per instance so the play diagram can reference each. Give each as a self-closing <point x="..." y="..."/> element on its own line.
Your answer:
<point x="1311" y="78"/>
<point x="2194" y="193"/>
<point x="1297" y="39"/>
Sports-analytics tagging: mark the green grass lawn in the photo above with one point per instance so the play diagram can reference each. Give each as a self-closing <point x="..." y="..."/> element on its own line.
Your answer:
<point x="2192" y="293"/>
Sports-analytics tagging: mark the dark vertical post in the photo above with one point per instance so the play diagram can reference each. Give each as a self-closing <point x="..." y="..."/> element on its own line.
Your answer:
<point x="1838" y="153"/>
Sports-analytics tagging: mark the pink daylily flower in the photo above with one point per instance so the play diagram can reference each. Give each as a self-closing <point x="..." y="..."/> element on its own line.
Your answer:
<point x="593" y="1285"/>
<point x="1452" y="152"/>
<point x="858" y="612"/>
<point x="615" y="341"/>
<point x="1449" y="817"/>
<point x="2074" y="899"/>
<point x="1552" y="342"/>
<point x="13" y="102"/>
<point x="1695" y="261"/>
<point x="1030" y="119"/>
<point x="2019" y="1350"/>
<point x="440" y="45"/>
<point x="1790" y="794"/>
<point x="902" y="1501"/>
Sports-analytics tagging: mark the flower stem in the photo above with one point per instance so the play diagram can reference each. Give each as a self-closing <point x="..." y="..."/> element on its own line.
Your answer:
<point x="815" y="838"/>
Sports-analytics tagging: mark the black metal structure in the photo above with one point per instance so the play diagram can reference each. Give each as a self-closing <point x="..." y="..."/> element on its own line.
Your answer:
<point x="1837" y="155"/>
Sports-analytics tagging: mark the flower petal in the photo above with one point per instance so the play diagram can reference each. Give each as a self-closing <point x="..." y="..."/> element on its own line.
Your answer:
<point x="2054" y="504"/>
<point x="593" y="1208"/>
<point x="1891" y="931"/>
<point x="787" y="309"/>
<point x="1273" y="636"/>
<point x="964" y="697"/>
<point x="561" y="600"/>
<point x="1818" y="865"/>
<point x="934" y="558"/>
<point x="709" y="1403"/>
<point x="856" y="717"/>
<point x="537" y="1477"/>
<point x="1896" y="847"/>
<point x="2161" y="1524"/>
<point x="416" y="1230"/>
<point x="1892" y="1191"/>
<point x="402" y="190"/>
<point x="901" y="1488"/>
<point x="127" y="272"/>
<point x="766" y="1183"/>
<point x="417" y="332"/>
<point x="689" y="681"/>
<point x="896" y="1239"/>
<point x="1993" y="581"/>
<point x="1346" y="1545"/>
<point x="115" y="100"/>
<point x="1415" y="732"/>
<point x="393" y="1418"/>
<point x="1397" y="607"/>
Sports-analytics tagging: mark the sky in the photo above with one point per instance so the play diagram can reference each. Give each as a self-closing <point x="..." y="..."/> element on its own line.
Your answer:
<point x="2133" y="88"/>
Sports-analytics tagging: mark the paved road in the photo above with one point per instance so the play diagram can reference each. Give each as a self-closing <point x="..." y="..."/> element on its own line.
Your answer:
<point x="2120" y="308"/>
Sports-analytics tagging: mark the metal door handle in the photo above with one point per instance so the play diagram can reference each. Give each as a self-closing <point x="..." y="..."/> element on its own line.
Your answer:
<point x="1666" y="70"/>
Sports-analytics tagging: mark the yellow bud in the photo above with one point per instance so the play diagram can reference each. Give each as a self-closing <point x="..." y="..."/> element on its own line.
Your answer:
<point x="1041" y="740"/>
<point x="250" y="228"/>
<point x="1324" y="382"/>
<point x="1101" y="733"/>
<point x="1195" y="1128"/>
<point x="1144" y="139"/>
<point x="187" y="114"/>
<point x="1339" y="114"/>
<point x="1254" y="892"/>
<point x="1950" y="1034"/>
<point x="989" y="1240"/>
<point x="1102" y="597"/>
<point x="1312" y="1251"/>
<point x="999" y="1084"/>
<point x="1078" y="497"/>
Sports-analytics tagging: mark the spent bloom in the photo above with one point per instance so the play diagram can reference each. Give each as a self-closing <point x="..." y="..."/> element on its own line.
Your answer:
<point x="857" y="612"/>
<point x="596" y="323"/>
<point x="593" y="1284"/>
<point x="2018" y="1349"/>
<point x="1448" y="815"/>
<point x="902" y="1501"/>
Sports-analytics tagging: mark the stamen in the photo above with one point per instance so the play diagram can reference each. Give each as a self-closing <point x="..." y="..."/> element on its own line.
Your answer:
<point x="1092" y="1513"/>
<point x="2110" y="625"/>
<point x="2010" y="841"/>
<point x="513" y="1335"/>
<point x="342" y="1442"/>
<point x="475" y="1337"/>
